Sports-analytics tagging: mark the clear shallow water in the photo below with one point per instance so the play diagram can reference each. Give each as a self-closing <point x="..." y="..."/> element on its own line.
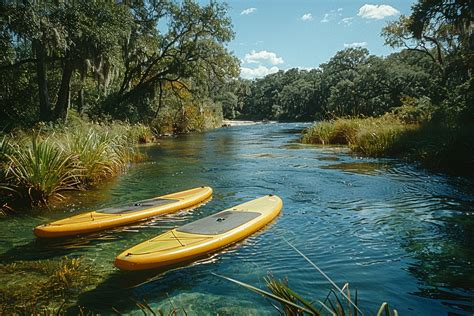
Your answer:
<point x="397" y="233"/>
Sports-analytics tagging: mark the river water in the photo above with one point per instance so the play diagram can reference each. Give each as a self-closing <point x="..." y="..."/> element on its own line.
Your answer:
<point x="394" y="231"/>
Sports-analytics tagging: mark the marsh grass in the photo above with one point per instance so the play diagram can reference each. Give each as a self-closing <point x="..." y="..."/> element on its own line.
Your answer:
<point x="337" y="132"/>
<point x="38" y="166"/>
<point x="440" y="146"/>
<point x="50" y="285"/>
<point x="99" y="156"/>
<point x="368" y="136"/>
<point x="40" y="170"/>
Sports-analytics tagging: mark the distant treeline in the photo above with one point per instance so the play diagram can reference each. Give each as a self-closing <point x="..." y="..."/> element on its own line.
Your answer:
<point x="165" y="63"/>
<point x="432" y="73"/>
<point x="352" y="83"/>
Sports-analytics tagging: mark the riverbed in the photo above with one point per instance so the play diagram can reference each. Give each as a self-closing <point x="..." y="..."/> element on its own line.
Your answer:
<point x="394" y="231"/>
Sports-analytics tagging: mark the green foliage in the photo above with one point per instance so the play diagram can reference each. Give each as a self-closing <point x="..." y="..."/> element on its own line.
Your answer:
<point x="414" y="110"/>
<point x="188" y="116"/>
<point x="5" y="149"/>
<point x="435" y="145"/>
<point x="99" y="156"/>
<point x="290" y="95"/>
<point x="352" y="83"/>
<point x="110" y="60"/>
<point x="40" y="170"/>
<point x="38" y="167"/>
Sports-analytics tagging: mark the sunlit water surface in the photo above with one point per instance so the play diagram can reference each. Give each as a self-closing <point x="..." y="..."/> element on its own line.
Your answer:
<point x="396" y="232"/>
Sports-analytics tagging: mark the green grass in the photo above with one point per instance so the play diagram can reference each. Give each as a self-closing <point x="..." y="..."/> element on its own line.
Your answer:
<point x="337" y="132"/>
<point x="40" y="170"/>
<point x="38" y="166"/>
<point x="99" y="156"/>
<point x="367" y="136"/>
<point x="440" y="146"/>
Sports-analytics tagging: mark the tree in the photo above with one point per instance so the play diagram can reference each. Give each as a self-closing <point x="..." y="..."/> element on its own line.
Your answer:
<point x="192" y="47"/>
<point x="117" y="55"/>
<point x="441" y="30"/>
<point x="74" y="35"/>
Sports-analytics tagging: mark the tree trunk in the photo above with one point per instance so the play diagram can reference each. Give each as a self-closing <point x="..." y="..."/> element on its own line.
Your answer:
<point x="80" y="100"/>
<point x="80" y="97"/>
<point x="62" y="104"/>
<point x="41" y="78"/>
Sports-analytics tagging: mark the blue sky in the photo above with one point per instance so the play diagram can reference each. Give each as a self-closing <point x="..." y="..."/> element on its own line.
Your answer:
<point x="283" y="34"/>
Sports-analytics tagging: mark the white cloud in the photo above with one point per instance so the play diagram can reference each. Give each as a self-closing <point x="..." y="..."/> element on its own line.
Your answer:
<point x="248" y="11"/>
<point x="259" y="72"/>
<point x="326" y="18"/>
<point x="257" y="57"/>
<point x="377" y="12"/>
<point x="331" y="15"/>
<point x="307" y="17"/>
<point x="346" y="21"/>
<point x="355" y="44"/>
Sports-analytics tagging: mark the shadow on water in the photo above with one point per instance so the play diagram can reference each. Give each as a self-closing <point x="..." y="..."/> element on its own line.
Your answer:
<point x="41" y="249"/>
<point x="122" y="290"/>
<point x="365" y="168"/>
<point x="444" y="264"/>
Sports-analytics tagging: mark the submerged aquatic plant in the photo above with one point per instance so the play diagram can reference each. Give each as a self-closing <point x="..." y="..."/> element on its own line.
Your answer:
<point x="338" y="301"/>
<point x="40" y="170"/>
<point x="50" y="286"/>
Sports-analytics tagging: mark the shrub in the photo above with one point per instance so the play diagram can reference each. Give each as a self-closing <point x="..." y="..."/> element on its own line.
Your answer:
<point x="39" y="166"/>
<point x="414" y="110"/>
<point x="40" y="170"/>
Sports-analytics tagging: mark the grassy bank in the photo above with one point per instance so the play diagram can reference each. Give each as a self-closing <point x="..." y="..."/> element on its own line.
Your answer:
<point x="38" y="166"/>
<point x="438" y="146"/>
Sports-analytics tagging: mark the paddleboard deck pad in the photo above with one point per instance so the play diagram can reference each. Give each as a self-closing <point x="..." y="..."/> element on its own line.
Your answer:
<point x="123" y="215"/>
<point x="201" y="237"/>
<point x="137" y="206"/>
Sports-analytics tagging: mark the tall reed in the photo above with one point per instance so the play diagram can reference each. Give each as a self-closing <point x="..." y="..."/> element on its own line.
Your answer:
<point x="439" y="146"/>
<point x="39" y="166"/>
<point x="99" y="156"/>
<point x="365" y="136"/>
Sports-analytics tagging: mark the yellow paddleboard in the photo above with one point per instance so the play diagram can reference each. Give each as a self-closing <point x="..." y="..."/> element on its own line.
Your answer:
<point x="123" y="215"/>
<point x="202" y="236"/>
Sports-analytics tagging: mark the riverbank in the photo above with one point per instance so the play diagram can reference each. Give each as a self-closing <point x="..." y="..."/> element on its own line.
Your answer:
<point x="437" y="146"/>
<point x="38" y="166"/>
<point x="227" y="123"/>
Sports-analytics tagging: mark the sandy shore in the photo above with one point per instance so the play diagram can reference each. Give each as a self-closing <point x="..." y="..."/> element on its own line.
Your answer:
<point x="241" y="123"/>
